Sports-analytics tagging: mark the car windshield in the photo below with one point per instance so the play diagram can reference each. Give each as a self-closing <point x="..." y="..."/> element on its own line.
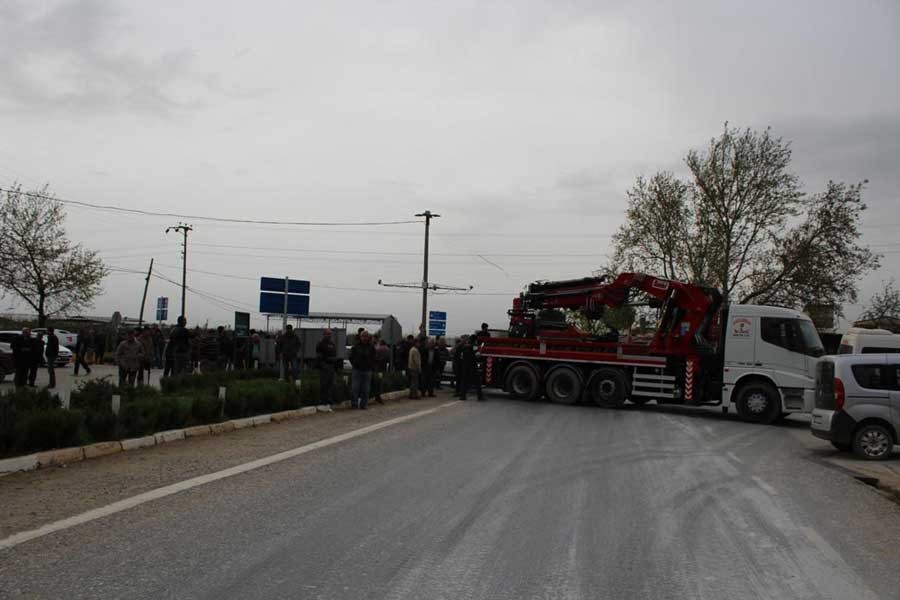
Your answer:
<point x="812" y="344"/>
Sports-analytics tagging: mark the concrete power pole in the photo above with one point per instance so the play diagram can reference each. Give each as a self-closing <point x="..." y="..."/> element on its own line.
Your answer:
<point x="428" y="216"/>
<point x="183" y="228"/>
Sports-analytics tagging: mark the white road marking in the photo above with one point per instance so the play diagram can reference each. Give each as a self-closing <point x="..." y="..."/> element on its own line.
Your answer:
<point x="121" y="505"/>
<point x="733" y="457"/>
<point x="765" y="486"/>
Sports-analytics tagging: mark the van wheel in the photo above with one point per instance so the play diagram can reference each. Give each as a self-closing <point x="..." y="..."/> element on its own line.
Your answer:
<point x="563" y="386"/>
<point x="522" y="382"/>
<point x="759" y="402"/>
<point x="609" y="388"/>
<point x="873" y="442"/>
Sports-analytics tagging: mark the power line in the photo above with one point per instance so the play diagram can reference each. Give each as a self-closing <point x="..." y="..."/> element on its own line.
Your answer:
<point x="138" y="211"/>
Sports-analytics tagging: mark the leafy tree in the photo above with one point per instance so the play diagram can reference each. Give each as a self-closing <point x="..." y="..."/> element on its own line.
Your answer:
<point x="37" y="261"/>
<point x="743" y="224"/>
<point x="884" y="307"/>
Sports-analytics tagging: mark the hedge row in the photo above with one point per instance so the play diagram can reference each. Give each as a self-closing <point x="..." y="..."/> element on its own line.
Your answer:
<point x="32" y="420"/>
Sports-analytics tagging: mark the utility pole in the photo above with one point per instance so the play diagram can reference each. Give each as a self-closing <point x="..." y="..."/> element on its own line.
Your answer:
<point x="428" y="216"/>
<point x="144" y="297"/>
<point x="183" y="228"/>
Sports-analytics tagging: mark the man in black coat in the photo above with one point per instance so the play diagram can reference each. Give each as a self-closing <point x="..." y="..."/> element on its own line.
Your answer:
<point x="362" y="357"/>
<point x="290" y="352"/>
<point x="37" y="354"/>
<point x="180" y="341"/>
<point x="326" y="355"/>
<point x="469" y="366"/>
<point x="85" y="341"/>
<point x="52" y="352"/>
<point x="23" y="357"/>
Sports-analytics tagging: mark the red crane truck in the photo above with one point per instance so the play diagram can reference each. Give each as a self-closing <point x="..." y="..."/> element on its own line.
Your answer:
<point x="760" y="360"/>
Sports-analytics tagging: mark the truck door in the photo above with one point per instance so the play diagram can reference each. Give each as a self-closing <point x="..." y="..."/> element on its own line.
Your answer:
<point x="780" y="352"/>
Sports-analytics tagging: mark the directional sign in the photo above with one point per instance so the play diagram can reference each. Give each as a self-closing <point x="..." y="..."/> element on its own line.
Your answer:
<point x="273" y="304"/>
<point x="162" y="308"/>
<point x="241" y="324"/>
<point x="274" y="284"/>
<point x="437" y="315"/>
<point x="437" y="322"/>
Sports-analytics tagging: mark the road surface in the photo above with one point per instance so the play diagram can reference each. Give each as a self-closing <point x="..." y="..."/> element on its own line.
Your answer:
<point x="501" y="499"/>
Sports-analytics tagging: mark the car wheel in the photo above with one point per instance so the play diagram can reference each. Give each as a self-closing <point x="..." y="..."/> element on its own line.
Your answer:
<point x="563" y="386"/>
<point x="873" y="442"/>
<point x="522" y="382"/>
<point x="609" y="388"/>
<point x="759" y="402"/>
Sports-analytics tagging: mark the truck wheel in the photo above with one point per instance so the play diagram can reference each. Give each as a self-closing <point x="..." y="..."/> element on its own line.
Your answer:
<point x="522" y="382"/>
<point x="759" y="402"/>
<point x="609" y="388"/>
<point x="563" y="386"/>
<point x="873" y="442"/>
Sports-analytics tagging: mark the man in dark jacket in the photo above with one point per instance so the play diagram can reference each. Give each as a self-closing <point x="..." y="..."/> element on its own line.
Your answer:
<point x="469" y="366"/>
<point x="290" y="351"/>
<point x="85" y="341"/>
<point x="37" y="357"/>
<point x="326" y="354"/>
<point x="23" y="357"/>
<point x="443" y="355"/>
<point x="362" y="358"/>
<point x="51" y="353"/>
<point x="426" y="388"/>
<point x="180" y="341"/>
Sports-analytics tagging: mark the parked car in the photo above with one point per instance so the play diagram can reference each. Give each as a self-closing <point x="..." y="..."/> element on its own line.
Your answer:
<point x="6" y="361"/>
<point x="66" y="338"/>
<point x="62" y="359"/>
<point x="857" y="403"/>
<point x="869" y="341"/>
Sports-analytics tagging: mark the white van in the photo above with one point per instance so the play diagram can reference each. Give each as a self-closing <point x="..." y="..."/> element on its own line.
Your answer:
<point x="858" y="340"/>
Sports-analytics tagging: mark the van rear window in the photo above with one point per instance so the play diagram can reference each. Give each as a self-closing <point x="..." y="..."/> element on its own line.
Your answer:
<point x="825" y="385"/>
<point x="874" y="350"/>
<point x="872" y="377"/>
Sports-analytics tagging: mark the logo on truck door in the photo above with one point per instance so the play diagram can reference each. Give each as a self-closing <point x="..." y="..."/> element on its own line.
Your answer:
<point x="740" y="327"/>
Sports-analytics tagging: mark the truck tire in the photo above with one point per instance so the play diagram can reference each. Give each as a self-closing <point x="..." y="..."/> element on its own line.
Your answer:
<point x="873" y="442"/>
<point x="609" y="388"/>
<point x="563" y="386"/>
<point x="522" y="382"/>
<point x="759" y="402"/>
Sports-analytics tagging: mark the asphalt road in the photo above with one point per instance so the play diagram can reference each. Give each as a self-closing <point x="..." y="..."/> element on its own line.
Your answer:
<point x="505" y="500"/>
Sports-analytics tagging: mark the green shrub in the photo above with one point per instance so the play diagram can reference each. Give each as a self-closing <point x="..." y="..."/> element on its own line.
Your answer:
<point x="14" y="406"/>
<point x="95" y="394"/>
<point x="173" y="412"/>
<point x="46" y="429"/>
<point x="205" y="409"/>
<point x="247" y="398"/>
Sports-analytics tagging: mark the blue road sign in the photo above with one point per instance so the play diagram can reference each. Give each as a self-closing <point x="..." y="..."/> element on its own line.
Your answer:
<point x="437" y="325"/>
<point x="437" y="315"/>
<point x="162" y="314"/>
<point x="274" y="284"/>
<point x="297" y="305"/>
<point x="437" y="322"/>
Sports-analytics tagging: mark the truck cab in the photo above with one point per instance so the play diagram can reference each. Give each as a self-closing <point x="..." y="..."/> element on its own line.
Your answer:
<point x="769" y="362"/>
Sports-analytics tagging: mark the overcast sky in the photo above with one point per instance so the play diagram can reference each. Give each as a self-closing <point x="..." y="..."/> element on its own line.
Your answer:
<point x="521" y="123"/>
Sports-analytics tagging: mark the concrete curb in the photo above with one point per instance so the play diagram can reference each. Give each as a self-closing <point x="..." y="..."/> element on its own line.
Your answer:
<point x="64" y="456"/>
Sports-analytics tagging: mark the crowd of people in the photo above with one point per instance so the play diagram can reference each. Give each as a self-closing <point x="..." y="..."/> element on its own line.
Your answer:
<point x="139" y="350"/>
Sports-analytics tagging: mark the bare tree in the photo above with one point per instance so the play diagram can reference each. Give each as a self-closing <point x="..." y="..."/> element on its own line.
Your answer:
<point x="37" y="261"/>
<point x="742" y="223"/>
<point x="884" y="307"/>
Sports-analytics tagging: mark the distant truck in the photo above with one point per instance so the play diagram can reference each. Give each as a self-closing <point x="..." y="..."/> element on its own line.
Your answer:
<point x="858" y="340"/>
<point x="758" y="360"/>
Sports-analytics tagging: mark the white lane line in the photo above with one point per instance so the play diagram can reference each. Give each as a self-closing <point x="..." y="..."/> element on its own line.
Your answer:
<point x="733" y="457"/>
<point x="765" y="486"/>
<point x="115" y="507"/>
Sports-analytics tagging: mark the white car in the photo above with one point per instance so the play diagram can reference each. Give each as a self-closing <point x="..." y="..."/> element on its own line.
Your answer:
<point x="66" y="338"/>
<point x="62" y="359"/>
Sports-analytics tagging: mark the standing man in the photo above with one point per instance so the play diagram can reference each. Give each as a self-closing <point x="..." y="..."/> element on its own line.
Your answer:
<point x="290" y="350"/>
<point x="483" y="333"/>
<point x="457" y="367"/>
<point x="326" y="354"/>
<point x="146" y="340"/>
<point x="362" y="358"/>
<point x="51" y="353"/>
<point x="180" y="341"/>
<point x="414" y="367"/>
<point x="470" y="374"/>
<point x="442" y="356"/>
<point x="382" y="358"/>
<point x="429" y="363"/>
<point x="22" y="350"/>
<point x="36" y="357"/>
<point x="85" y="340"/>
<point x="129" y="358"/>
<point x="159" y="344"/>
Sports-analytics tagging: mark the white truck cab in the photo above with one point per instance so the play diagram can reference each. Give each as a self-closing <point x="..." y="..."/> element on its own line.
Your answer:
<point x="769" y="363"/>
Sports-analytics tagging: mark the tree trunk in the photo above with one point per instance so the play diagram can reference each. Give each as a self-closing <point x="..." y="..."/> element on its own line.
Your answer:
<point x="42" y="318"/>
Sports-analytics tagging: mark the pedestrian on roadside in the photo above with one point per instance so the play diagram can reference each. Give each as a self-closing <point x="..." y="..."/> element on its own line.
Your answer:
<point x="470" y="374"/>
<point x="37" y="357"/>
<point x="442" y="355"/>
<point x="226" y="349"/>
<point x="429" y="362"/>
<point x="85" y="339"/>
<point x="382" y="359"/>
<point x="52" y="352"/>
<point x="129" y="356"/>
<point x="414" y="368"/>
<point x="168" y="359"/>
<point x="362" y="359"/>
<point x="180" y="341"/>
<point x="207" y="347"/>
<point x="146" y="340"/>
<point x="159" y="345"/>
<point x="456" y="356"/>
<point x="483" y="332"/>
<point x="23" y="356"/>
<point x="326" y="354"/>
<point x="290" y="350"/>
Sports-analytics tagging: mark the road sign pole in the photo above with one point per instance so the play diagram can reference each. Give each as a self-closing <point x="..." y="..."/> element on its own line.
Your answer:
<point x="287" y="283"/>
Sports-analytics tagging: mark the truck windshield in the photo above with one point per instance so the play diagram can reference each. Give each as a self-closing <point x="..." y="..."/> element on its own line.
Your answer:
<point x="812" y="345"/>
